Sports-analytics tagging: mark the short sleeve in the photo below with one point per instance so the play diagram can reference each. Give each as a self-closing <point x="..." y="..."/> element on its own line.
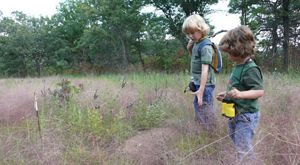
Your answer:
<point x="253" y="79"/>
<point x="207" y="54"/>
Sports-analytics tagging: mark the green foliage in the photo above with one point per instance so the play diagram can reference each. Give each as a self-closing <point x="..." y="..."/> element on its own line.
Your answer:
<point x="117" y="35"/>
<point x="93" y="121"/>
<point x="174" y="19"/>
<point x="170" y="57"/>
<point x="86" y="122"/>
<point x="92" y="124"/>
<point x="121" y="129"/>
<point x="65" y="91"/>
<point x="87" y="36"/>
<point x="149" y="116"/>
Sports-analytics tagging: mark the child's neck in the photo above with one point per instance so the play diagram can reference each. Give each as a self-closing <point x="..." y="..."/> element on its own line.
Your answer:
<point x="242" y="61"/>
<point x="201" y="39"/>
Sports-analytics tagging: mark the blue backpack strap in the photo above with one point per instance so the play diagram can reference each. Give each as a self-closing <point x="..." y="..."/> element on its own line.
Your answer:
<point x="206" y="41"/>
<point x="203" y="43"/>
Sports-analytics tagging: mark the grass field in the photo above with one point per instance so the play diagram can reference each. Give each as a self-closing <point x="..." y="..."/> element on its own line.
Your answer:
<point x="136" y="119"/>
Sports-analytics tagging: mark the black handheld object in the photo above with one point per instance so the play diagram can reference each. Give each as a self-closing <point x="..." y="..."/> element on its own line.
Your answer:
<point x="191" y="87"/>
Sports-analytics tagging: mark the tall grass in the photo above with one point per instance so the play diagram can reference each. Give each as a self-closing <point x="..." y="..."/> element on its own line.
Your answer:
<point x="92" y="126"/>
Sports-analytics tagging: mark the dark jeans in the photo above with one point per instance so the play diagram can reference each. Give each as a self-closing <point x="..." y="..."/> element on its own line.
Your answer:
<point x="205" y="114"/>
<point x="242" y="130"/>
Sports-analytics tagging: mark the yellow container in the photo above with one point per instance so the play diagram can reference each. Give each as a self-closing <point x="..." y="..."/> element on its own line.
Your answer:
<point x="228" y="110"/>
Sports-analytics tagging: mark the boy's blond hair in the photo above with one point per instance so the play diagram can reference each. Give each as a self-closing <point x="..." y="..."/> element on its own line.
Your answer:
<point x="238" y="42"/>
<point x="195" y="23"/>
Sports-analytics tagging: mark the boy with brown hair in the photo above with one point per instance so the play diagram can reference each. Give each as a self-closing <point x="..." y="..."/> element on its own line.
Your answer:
<point x="244" y="88"/>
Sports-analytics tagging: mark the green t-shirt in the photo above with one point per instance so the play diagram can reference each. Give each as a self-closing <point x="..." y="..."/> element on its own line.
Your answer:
<point x="205" y="57"/>
<point x="245" y="77"/>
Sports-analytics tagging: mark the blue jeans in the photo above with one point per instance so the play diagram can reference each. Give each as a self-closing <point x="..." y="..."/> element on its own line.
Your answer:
<point x="205" y="114"/>
<point x="241" y="131"/>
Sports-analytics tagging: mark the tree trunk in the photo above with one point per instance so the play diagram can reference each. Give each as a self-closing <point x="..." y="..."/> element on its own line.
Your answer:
<point x="123" y="53"/>
<point x="23" y="72"/>
<point x="274" y="44"/>
<point x="139" y="47"/>
<point x="244" y="12"/>
<point x="286" y="27"/>
<point x="38" y="65"/>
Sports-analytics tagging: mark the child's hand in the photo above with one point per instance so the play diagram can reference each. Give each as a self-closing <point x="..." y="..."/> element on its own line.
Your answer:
<point x="221" y="96"/>
<point x="235" y="94"/>
<point x="199" y="97"/>
<point x="190" y="46"/>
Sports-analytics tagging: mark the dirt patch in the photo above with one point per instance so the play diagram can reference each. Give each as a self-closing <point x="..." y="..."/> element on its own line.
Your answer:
<point x="17" y="98"/>
<point x="16" y="104"/>
<point x="151" y="147"/>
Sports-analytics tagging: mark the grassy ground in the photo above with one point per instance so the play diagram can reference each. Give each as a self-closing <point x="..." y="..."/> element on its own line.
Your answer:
<point x="135" y="119"/>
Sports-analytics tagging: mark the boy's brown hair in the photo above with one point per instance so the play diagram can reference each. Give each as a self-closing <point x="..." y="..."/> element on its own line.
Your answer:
<point x="238" y="42"/>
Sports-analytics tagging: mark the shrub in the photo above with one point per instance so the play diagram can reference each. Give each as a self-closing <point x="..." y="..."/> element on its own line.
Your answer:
<point x="149" y="116"/>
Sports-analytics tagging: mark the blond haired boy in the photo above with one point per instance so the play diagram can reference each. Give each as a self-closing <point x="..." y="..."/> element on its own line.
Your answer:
<point x="203" y="76"/>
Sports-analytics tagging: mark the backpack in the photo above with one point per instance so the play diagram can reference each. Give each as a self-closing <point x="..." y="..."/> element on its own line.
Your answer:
<point x="216" y="63"/>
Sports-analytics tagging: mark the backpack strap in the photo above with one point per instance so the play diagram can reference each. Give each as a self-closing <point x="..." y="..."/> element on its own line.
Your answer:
<point x="203" y="43"/>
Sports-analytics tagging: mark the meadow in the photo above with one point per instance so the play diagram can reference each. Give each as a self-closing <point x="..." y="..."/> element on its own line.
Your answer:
<point x="136" y="118"/>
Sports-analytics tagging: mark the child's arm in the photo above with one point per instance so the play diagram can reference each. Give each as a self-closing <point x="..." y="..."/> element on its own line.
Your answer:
<point x="200" y="91"/>
<point x="250" y="94"/>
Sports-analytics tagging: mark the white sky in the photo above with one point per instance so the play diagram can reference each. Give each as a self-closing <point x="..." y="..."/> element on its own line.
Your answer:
<point x="220" y="19"/>
<point x="34" y="8"/>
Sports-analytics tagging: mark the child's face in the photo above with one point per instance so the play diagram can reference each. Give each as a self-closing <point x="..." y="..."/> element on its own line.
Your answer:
<point x="194" y="35"/>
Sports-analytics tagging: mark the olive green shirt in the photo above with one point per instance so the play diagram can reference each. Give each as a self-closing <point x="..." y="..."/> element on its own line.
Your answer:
<point x="205" y="57"/>
<point x="245" y="77"/>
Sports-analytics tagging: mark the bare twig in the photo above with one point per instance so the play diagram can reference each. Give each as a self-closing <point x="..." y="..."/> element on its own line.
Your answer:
<point x="221" y="31"/>
<point x="37" y="114"/>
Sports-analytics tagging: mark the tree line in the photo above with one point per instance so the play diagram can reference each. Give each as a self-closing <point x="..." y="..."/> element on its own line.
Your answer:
<point x="99" y="36"/>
